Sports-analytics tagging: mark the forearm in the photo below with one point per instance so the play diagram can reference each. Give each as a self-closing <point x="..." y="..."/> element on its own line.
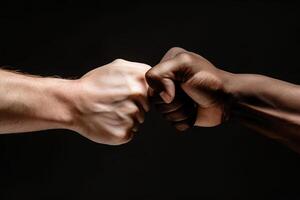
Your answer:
<point x="267" y="105"/>
<point x="30" y="103"/>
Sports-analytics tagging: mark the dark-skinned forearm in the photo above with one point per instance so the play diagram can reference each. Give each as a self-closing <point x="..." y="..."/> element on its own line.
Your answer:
<point x="267" y="105"/>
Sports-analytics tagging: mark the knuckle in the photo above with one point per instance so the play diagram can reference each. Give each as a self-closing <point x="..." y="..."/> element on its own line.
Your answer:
<point x="137" y="92"/>
<point x="144" y="67"/>
<point x="140" y="75"/>
<point x="152" y="74"/>
<point x="118" y="60"/>
<point x="181" y="126"/>
<point x="175" y="50"/>
<point x="121" y="137"/>
<point x="120" y="133"/>
<point x="185" y="57"/>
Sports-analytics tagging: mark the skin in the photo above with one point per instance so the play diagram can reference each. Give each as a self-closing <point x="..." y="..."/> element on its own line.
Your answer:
<point x="106" y="105"/>
<point x="267" y="105"/>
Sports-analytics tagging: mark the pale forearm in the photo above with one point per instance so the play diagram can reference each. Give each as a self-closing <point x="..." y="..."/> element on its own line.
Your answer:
<point x="267" y="105"/>
<point x="32" y="103"/>
<point x="106" y="105"/>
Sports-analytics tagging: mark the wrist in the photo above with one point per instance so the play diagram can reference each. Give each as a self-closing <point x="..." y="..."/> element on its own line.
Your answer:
<point x="228" y="82"/>
<point x="239" y="89"/>
<point x="229" y="92"/>
<point x="60" y="103"/>
<point x="237" y="86"/>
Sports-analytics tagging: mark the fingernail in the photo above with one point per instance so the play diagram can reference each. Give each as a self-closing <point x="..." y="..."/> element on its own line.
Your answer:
<point x="166" y="97"/>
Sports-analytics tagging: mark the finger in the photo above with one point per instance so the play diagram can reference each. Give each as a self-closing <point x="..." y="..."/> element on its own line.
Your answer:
<point x="143" y="97"/>
<point x="180" y="98"/>
<point x="181" y="114"/>
<point x="142" y="102"/>
<point x="135" y="127"/>
<point x="182" y="125"/>
<point x="135" y="112"/>
<point x="151" y="92"/>
<point x="139" y="94"/>
<point x="185" y="124"/>
<point x="156" y="99"/>
<point x="140" y="116"/>
<point x="169" y="94"/>
<point x="128" y="137"/>
<point x="161" y="77"/>
<point x="166" y="108"/>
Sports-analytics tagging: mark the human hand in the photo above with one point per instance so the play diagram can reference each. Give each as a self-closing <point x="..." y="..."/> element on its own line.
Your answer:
<point x="110" y="102"/>
<point x="197" y="77"/>
<point x="181" y="112"/>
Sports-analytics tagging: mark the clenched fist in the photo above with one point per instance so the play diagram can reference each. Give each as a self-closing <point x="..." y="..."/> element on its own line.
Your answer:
<point x="200" y="80"/>
<point x="111" y="101"/>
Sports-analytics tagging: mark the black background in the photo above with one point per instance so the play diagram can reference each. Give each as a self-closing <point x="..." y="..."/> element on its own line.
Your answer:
<point x="227" y="162"/>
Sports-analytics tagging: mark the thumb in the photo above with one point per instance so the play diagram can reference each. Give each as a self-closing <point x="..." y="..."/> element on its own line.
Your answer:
<point x="161" y="78"/>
